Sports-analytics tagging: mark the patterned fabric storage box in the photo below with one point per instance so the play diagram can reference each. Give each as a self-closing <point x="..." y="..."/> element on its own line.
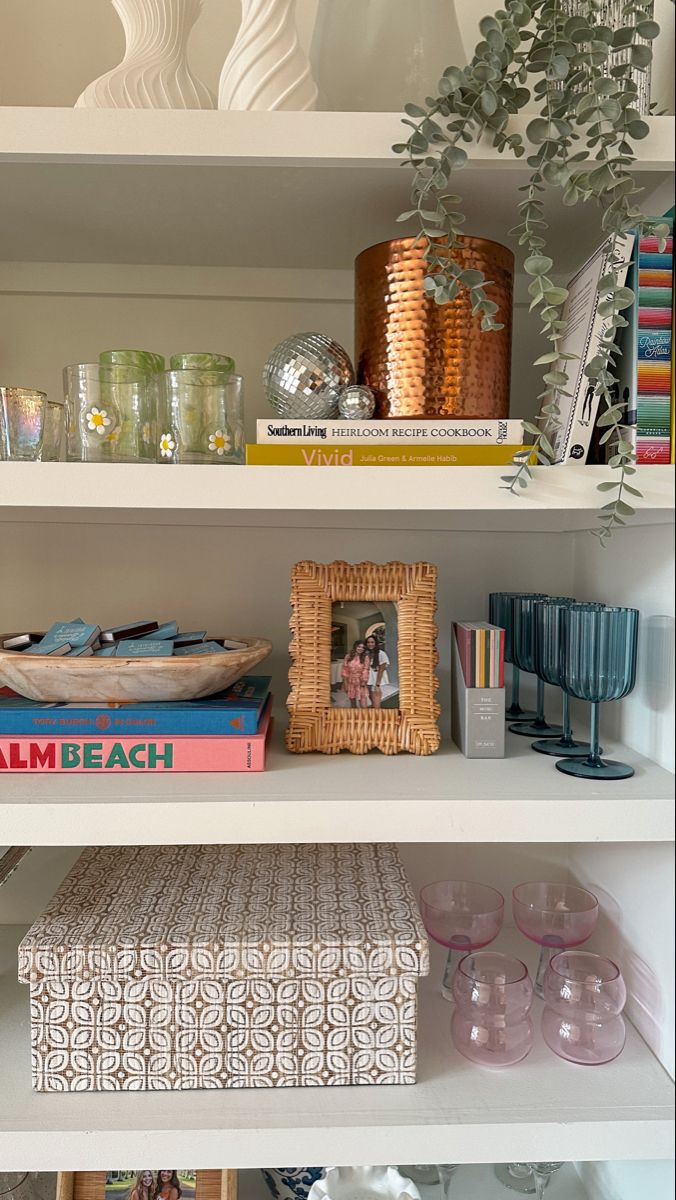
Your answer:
<point x="156" y="968"/>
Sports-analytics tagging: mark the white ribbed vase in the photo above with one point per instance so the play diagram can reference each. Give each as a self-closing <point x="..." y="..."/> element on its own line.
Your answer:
<point x="267" y="68"/>
<point x="154" y="72"/>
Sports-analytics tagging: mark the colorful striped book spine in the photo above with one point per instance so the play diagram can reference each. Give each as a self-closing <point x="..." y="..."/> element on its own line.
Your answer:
<point x="481" y="650"/>
<point x="654" y="368"/>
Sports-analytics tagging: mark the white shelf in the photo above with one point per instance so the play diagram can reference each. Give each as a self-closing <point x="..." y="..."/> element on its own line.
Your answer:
<point x="560" y="499"/>
<point x="81" y="185"/>
<point x="543" y="1109"/>
<point x="325" y="798"/>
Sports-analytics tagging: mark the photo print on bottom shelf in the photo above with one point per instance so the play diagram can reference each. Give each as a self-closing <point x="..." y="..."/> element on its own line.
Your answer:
<point x="151" y="1185"/>
<point x="363" y="647"/>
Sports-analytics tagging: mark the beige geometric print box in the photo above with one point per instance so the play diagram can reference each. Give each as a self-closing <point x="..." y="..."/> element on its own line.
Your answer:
<point x="159" y="968"/>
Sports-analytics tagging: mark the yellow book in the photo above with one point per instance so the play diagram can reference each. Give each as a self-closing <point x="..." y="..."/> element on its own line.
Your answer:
<point x="410" y="455"/>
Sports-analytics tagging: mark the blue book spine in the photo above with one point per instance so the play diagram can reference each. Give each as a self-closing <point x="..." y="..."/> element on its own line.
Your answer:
<point x="127" y="721"/>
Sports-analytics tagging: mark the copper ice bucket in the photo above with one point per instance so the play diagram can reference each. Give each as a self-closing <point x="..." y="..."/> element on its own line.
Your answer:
<point x="427" y="360"/>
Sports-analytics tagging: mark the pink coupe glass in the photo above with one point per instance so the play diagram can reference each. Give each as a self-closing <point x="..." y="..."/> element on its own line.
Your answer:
<point x="462" y="916"/>
<point x="493" y="996"/>
<point x="584" y="998"/>
<point x="556" y="916"/>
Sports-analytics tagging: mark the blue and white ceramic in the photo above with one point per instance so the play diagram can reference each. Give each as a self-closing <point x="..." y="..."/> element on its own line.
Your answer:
<point x="291" y="1183"/>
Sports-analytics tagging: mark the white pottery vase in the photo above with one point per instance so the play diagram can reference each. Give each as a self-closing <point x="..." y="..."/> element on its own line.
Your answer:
<point x="267" y="69"/>
<point x="154" y="72"/>
<point x="363" y="1183"/>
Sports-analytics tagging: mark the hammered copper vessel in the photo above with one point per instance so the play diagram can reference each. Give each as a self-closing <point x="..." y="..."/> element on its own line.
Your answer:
<point x="422" y="359"/>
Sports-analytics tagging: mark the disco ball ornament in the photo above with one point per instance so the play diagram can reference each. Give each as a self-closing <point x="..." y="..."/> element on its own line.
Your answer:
<point x="356" y="403"/>
<point x="305" y="375"/>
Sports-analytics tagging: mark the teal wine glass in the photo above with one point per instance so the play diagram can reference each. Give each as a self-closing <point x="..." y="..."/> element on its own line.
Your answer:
<point x="500" y="614"/>
<point x="600" y="647"/>
<point x="549" y="641"/>
<point x="524" y="609"/>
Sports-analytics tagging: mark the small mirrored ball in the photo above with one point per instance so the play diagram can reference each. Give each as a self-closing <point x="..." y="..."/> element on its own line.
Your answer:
<point x="356" y="403"/>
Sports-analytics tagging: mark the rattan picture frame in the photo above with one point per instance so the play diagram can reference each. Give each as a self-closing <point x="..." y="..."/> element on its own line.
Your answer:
<point x="315" y="725"/>
<point x="91" y="1185"/>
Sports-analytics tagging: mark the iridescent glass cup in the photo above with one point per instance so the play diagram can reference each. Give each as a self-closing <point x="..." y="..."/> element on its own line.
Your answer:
<point x="22" y="423"/>
<point x="549" y="664"/>
<point x="555" y="916"/>
<point x="584" y="998"/>
<point x="524" y="652"/>
<point x="461" y="916"/>
<point x="493" y="996"/>
<point x="500" y="614"/>
<point x="600" y="646"/>
<point x="55" y="428"/>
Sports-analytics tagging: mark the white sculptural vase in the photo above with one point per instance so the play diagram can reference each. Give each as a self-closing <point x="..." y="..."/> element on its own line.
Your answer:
<point x="267" y="68"/>
<point x="154" y="72"/>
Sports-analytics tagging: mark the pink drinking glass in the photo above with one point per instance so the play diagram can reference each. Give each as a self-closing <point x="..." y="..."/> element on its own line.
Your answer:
<point x="556" y="916"/>
<point x="584" y="998"/>
<point x="462" y="916"/>
<point x="493" y="995"/>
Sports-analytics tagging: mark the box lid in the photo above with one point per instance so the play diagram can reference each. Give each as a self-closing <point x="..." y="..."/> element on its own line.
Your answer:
<point x="222" y="912"/>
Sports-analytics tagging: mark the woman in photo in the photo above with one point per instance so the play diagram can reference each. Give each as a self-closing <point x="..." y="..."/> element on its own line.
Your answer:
<point x="355" y="675"/>
<point x="378" y="664"/>
<point x="143" y="1189"/>
<point x="168" y="1187"/>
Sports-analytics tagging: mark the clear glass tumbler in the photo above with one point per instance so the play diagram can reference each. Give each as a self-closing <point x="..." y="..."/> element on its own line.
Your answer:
<point x="584" y="998"/>
<point x="109" y="414"/>
<point x="55" y="428"/>
<point x="493" y="994"/>
<point x="22" y="423"/>
<point x="200" y="417"/>
<point x="206" y="361"/>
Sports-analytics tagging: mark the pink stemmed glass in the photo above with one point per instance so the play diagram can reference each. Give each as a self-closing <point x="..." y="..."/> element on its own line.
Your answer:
<point x="462" y="916"/>
<point x="584" y="998"/>
<point x="554" y="915"/>
<point x="493" y="995"/>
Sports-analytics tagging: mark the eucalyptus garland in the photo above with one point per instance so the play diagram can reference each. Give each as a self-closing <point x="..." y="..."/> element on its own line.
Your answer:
<point x="581" y="143"/>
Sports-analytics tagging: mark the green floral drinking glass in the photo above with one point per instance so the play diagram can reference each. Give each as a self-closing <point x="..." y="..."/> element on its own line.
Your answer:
<point x="599" y="664"/>
<point x="524" y="609"/>
<point x="549" y="640"/>
<point x="500" y="614"/>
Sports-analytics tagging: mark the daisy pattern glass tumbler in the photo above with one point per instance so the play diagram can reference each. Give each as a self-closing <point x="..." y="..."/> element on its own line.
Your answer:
<point x="584" y="998"/>
<point x="200" y="417"/>
<point x="461" y="916"/>
<point x="549" y="643"/>
<point x="523" y="651"/>
<point x="493" y="995"/>
<point x="599" y="665"/>
<point x="500" y="614"/>
<point x="555" y="916"/>
<point x="108" y="413"/>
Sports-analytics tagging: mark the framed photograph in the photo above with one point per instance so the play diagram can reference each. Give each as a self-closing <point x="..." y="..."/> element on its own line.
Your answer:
<point x="364" y="653"/>
<point x="147" y="1185"/>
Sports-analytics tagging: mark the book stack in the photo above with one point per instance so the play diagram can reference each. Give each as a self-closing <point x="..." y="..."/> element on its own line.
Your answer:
<point x="400" y="443"/>
<point x="225" y="732"/>
<point x="478" y="711"/>
<point x="646" y="368"/>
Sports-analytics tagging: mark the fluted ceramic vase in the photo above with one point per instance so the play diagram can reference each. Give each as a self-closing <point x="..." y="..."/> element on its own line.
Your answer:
<point x="267" y="68"/>
<point x="154" y="72"/>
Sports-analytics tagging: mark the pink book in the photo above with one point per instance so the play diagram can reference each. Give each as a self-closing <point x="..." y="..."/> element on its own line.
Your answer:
<point x="90" y="754"/>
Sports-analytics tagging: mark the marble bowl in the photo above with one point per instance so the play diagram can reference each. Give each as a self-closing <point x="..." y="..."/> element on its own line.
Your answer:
<point x="123" y="680"/>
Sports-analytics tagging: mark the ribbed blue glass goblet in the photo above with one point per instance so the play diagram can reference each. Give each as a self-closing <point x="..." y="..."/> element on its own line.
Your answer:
<point x="599" y="664"/>
<point x="500" y="614"/>
<point x="524" y="609"/>
<point x="549" y="641"/>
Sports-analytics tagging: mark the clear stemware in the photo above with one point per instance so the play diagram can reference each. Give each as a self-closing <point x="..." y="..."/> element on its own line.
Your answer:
<point x="556" y="916"/>
<point x="446" y="1176"/>
<point x="599" y="664"/>
<point x="527" y="1179"/>
<point x="500" y="614"/>
<point x="542" y="1173"/>
<point x="461" y="916"/>
<point x="549" y="662"/>
<point x="523" y="648"/>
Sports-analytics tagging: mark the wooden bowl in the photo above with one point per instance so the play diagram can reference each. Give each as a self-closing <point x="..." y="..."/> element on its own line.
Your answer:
<point x="71" y="680"/>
